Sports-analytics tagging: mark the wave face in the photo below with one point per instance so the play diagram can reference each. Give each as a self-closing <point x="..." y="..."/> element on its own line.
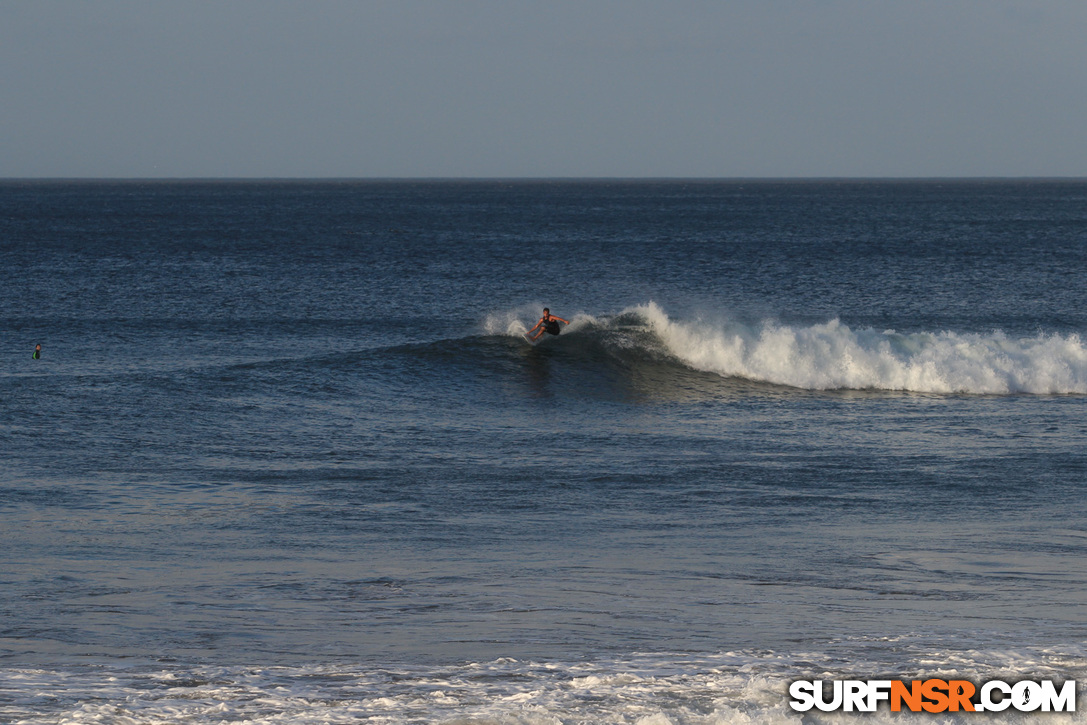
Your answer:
<point x="833" y="356"/>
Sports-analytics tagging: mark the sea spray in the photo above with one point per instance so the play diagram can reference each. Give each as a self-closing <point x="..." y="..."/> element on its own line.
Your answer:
<point x="831" y="355"/>
<point x="517" y="321"/>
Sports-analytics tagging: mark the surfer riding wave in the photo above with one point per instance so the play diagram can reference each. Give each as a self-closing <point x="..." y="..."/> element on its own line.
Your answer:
<point x="548" y="324"/>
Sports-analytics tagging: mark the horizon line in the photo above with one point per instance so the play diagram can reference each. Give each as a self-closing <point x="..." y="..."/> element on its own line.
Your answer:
<point x="511" y="179"/>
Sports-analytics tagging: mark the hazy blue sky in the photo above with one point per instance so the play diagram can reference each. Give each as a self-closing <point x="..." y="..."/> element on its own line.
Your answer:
<point x="550" y="88"/>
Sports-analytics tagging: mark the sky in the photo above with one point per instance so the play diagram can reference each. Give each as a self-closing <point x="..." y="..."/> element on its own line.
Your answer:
<point x="485" y="88"/>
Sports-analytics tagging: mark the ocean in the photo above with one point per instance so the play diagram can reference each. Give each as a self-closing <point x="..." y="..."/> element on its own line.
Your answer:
<point x="286" y="455"/>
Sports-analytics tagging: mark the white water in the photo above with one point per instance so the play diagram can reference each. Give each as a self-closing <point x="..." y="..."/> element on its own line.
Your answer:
<point x="832" y="356"/>
<point x="733" y="687"/>
<point x="513" y="322"/>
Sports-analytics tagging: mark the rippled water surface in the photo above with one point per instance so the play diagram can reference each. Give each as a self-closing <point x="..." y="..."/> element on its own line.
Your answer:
<point x="287" y="444"/>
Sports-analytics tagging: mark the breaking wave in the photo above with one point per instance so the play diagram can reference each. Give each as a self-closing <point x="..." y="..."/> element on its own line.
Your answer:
<point x="739" y="687"/>
<point x="833" y="356"/>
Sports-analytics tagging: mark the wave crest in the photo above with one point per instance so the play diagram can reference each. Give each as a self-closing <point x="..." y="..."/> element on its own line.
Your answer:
<point x="832" y="356"/>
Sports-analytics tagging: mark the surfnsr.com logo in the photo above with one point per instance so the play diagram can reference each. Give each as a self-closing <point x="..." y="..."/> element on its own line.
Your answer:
<point x="932" y="695"/>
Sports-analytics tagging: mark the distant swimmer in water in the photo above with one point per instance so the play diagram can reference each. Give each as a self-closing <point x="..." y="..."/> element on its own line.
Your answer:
<point x="548" y="323"/>
<point x="38" y="351"/>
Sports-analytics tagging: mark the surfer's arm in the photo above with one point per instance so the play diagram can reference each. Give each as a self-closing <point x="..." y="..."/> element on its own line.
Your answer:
<point x="556" y="317"/>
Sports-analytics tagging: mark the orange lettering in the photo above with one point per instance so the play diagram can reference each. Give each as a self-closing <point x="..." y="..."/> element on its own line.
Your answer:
<point x="931" y="689"/>
<point x="960" y="692"/>
<point x="912" y="696"/>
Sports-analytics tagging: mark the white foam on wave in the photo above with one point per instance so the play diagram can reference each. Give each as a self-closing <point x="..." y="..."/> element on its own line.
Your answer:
<point x="512" y="322"/>
<point x="721" y="689"/>
<point x="832" y="356"/>
<point x="508" y="322"/>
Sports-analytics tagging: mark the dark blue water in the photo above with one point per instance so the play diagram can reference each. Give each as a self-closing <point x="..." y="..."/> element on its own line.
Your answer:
<point x="287" y="453"/>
